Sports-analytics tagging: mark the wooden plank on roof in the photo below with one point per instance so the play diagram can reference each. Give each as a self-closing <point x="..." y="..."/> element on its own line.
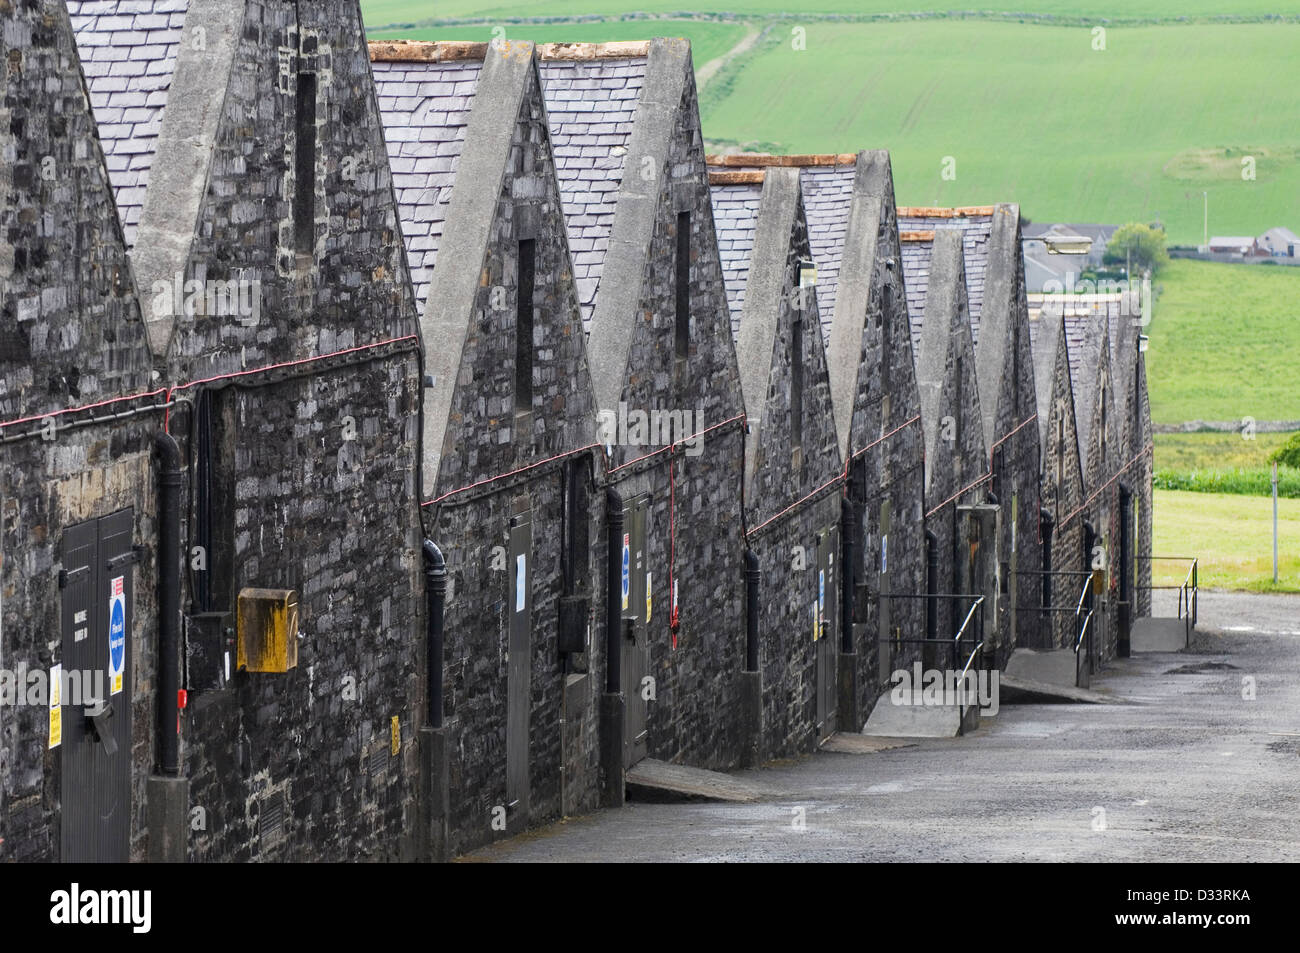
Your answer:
<point x="961" y="211"/>
<point x="736" y="176"/>
<point x="753" y="160"/>
<point x="622" y="49"/>
<point x="924" y="235"/>
<point x="425" y="51"/>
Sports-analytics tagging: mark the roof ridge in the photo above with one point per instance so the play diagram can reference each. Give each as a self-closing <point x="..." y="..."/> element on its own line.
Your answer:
<point x="957" y="211"/>
<point x="441" y="51"/>
<point x="759" y="160"/>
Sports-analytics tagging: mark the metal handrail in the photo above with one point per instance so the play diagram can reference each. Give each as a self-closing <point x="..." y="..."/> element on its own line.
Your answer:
<point x="1085" y="628"/>
<point x="961" y="681"/>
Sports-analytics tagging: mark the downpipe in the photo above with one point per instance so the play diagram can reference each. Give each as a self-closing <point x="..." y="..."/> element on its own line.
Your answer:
<point x="435" y="594"/>
<point x="171" y="479"/>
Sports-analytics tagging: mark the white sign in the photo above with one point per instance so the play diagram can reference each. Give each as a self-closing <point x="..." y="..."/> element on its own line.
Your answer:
<point x="521" y="581"/>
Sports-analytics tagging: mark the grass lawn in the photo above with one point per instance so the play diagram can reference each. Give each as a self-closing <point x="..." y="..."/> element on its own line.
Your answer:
<point x="709" y="39"/>
<point x="1231" y="535"/>
<point x="379" y="12"/>
<point x="1225" y="343"/>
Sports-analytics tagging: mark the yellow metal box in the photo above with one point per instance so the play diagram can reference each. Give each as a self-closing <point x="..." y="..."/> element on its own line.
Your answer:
<point x="267" y="628"/>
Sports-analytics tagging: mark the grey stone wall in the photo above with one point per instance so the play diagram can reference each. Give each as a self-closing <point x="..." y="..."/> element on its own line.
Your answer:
<point x="488" y="436"/>
<point x="697" y="681"/>
<point x="314" y="476"/>
<point x="70" y="335"/>
<point x="781" y="476"/>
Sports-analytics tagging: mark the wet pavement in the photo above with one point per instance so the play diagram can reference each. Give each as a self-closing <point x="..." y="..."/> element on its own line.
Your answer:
<point x="1199" y="762"/>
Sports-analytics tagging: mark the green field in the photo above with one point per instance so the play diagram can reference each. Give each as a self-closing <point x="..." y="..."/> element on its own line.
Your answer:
<point x="380" y="12"/>
<point x="1027" y="113"/>
<point x="1032" y="114"/>
<point x="708" y="38"/>
<point x="1200" y="451"/>
<point x="1231" y="535"/>
<point x="1225" y="343"/>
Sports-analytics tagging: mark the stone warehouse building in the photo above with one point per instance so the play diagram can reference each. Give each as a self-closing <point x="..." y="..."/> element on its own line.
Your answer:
<point x="371" y="417"/>
<point x="961" y="518"/>
<point x="510" y="452"/>
<point x="999" y="315"/>
<point x="1062" y="485"/>
<point x="268" y="257"/>
<point x="793" y="474"/>
<point x="853" y="238"/>
<point x="634" y="186"/>
<point x="78" y="415"/>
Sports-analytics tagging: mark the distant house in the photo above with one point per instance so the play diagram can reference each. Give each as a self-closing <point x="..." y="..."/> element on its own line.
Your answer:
<point x="1279" y="242"/>
<point x="1233" y="245"/>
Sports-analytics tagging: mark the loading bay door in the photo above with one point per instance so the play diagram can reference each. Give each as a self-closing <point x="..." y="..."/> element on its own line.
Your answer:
<point x="636" y="635"/>
<point x="96" y="621"/>
<point x="519" y="667"/>
<point x="824" y="612"/>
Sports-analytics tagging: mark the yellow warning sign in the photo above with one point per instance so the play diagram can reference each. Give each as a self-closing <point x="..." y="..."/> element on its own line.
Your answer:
<point x="56" y="706"/>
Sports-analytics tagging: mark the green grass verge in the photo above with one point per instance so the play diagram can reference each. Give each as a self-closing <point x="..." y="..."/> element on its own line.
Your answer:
<point x="1231" y="535"/>
<point x="1254" y="481"/>
<point x="1225" y="343"/>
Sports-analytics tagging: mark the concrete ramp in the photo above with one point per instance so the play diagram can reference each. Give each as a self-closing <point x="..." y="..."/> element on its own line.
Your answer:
<point x="659" y="781"/>
<point x="1055" y="667"/>
<point x="842" y="742"/>
<point x="890" y="720"/>
<point x="1013" y="690"/>
<point x="1158" y="635"/>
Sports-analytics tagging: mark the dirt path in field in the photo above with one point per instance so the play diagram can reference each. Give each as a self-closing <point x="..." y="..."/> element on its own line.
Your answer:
<point x="710" y="69"/>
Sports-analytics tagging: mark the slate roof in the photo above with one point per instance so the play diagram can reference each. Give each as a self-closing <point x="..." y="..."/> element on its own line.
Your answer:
<point x="1084" y="327"/>
<point x="975" y="224"/>
<point x="1044" y="337"/>
<point x="590" y="104"/>
<point x="425" y="108"/>
<point x="128" y="51"/>
<point x="827" y="199"/>
<point x="735" y="218"/>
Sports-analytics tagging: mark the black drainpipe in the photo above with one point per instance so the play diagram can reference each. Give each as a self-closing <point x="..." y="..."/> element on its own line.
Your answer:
<point x="751" y="610"/>
<point x="435" y="594"/>
<point x="1048" y="524"/>
<point x="931" y="585"/>
<point x="848" y="572"/>
<point x="614" y="593"/>
<point x="171" y="477"/>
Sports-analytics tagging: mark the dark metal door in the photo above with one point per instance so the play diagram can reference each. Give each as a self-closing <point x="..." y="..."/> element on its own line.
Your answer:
<point x="636" y="636"/>
<point x="519" y="665"/>
<point x="95" y="711"/>
<point x="884" y="625"/>
<point x="824" y="630"/>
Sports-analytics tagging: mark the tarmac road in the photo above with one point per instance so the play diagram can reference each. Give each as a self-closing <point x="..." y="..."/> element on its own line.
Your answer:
<point x="1186" y="769"/>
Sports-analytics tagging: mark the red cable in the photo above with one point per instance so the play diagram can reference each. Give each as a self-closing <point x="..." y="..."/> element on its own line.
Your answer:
<point x="169" y="390"/>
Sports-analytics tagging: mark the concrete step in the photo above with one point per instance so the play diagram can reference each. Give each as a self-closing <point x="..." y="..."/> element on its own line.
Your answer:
<point x="842" y="742"/>
<point x="1013" y="690"/>
<point x="1055" y="667"/>
<point x="915" y="720"/>
<point x="1158" y="635"/>
<point x="659" y="781"/>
